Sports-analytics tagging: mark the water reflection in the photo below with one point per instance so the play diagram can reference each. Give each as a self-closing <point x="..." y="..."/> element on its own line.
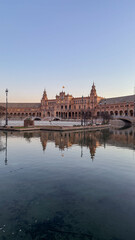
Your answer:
<point x="52" y="189"/>
<point x="65" y="140"/>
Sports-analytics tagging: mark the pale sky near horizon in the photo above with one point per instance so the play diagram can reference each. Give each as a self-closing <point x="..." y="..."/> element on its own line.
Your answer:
<point x="54" y="43"/>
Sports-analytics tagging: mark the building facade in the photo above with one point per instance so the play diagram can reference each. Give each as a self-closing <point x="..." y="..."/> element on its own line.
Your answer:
<point x="65" y="106"/>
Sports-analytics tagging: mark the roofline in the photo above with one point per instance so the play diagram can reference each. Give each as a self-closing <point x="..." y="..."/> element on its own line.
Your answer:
<point x="120" y="97"/>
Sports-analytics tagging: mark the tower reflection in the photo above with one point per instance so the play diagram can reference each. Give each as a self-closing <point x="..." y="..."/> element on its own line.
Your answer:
<point x="65" y="140"/>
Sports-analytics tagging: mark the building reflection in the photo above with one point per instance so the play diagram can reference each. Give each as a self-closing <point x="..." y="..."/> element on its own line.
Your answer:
<point x="65" y="140"/>
<point x="123" y="138"/>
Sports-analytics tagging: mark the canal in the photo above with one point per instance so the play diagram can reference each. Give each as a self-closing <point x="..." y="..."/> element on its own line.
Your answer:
<point x="67" y="186"/>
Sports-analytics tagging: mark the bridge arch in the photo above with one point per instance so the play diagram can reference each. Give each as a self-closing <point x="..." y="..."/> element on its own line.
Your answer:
<point x="126" y="120"/>
<point x="37" y="118"/>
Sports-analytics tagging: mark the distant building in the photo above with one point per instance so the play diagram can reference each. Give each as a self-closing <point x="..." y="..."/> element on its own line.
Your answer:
<point x="65" y="106"/>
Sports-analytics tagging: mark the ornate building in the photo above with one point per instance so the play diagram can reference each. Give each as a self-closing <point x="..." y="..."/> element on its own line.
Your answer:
<point x="65" y="106"/>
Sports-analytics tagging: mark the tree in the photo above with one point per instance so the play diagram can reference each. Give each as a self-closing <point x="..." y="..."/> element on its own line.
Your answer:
<point x="106" y="117"/>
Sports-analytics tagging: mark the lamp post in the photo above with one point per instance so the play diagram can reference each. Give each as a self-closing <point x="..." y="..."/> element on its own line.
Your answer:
<point x="6" y="107"/>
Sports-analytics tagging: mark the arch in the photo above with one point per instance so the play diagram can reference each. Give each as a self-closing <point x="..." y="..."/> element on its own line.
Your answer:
<point x="126" y="113"/>
<point x="72" y="114"/>
<point x="98" y="114"/>
<point x="121" y="113"/>
<point x="111" y="113"/>
<point x="126" y="121"/>
<point x="116" y="113"/>
<point x="131" y="113"/>
<point x="37" y="119"/>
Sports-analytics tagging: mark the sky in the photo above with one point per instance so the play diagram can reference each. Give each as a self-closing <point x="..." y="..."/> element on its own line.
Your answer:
<point x="47" y="44"/>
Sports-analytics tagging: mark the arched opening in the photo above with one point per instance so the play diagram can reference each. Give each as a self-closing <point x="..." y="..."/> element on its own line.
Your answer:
<point x="98" y="114"/>
<point x="111" y="113"/>
<point x="126" y="113"/>
<point x="131" y="113"/>
<point x="121" y="113"/>
<point x="116" y="113"/>
<point x="37" y="119"/>
<point x="72" y="114"/>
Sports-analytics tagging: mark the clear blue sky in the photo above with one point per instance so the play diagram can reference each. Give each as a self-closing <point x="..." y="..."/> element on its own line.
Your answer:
<point x="51" y="43"/>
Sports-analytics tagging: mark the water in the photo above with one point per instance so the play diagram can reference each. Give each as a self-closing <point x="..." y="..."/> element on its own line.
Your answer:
<point x="67" y="186"/>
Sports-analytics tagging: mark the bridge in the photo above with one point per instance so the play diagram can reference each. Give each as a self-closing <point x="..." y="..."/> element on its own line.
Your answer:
<point x="126" y="119"/>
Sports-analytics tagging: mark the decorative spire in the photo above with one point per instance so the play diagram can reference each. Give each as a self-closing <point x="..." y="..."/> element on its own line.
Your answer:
<point x="93" y="90"/>
<point x="44" y="95"/>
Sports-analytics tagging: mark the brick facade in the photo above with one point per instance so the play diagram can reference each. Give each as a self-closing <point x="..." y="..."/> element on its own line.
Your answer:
<point x="65" y="106"/>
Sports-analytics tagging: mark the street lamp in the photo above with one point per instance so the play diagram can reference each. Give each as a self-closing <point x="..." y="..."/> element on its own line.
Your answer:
<point x="6" y="107"/>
